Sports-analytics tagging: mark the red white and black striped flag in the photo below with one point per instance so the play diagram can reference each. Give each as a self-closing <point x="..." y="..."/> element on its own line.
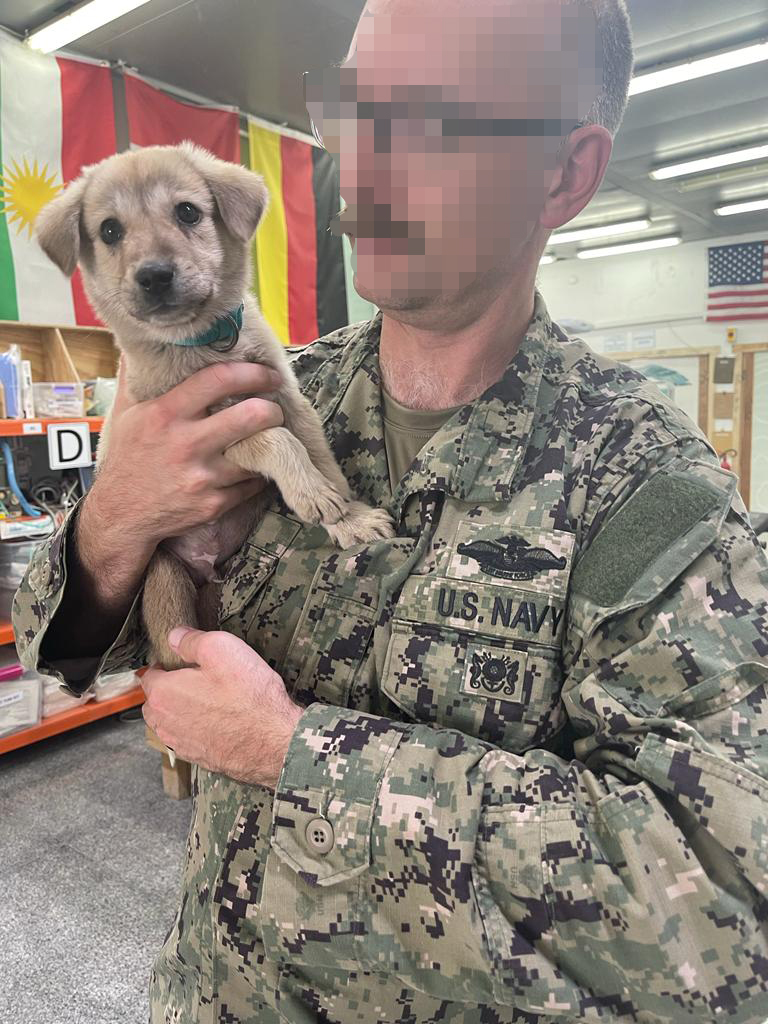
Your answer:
<point x="738" y="282"/>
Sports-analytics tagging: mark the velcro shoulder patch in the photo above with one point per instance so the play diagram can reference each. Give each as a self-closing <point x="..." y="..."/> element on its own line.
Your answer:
<point x="664" y="509"/>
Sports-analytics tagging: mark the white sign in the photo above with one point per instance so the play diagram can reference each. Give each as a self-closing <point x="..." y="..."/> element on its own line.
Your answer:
<point x="616" y="343"/>
<point x="644" y="339"/>
<point x="69" y="445"/>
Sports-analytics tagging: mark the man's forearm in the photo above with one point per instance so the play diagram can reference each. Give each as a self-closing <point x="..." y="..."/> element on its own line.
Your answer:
<point x="105" y="566"/>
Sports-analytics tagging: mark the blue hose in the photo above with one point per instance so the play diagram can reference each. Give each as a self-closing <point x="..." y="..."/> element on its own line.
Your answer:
<point x="29" y="510"/>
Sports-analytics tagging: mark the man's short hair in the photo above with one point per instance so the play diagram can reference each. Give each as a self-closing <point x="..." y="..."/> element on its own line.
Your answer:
<point x="615" y="38"/>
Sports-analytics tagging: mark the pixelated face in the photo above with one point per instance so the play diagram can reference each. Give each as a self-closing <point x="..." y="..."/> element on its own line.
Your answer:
<point x="445" y="121"/>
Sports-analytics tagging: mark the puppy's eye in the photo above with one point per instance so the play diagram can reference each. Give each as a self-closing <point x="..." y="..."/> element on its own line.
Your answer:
<point x="188" y="213"/>
<point x="111" y="231"/>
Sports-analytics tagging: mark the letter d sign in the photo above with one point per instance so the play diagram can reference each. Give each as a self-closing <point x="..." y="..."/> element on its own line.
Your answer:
<point x="69" y="445"/>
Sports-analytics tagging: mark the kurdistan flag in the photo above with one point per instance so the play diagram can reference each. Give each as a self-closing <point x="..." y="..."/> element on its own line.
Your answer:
<point x="56" y="116"/>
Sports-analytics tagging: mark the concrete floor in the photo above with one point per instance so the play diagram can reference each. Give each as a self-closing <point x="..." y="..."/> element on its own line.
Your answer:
<point x="90" y="864"/>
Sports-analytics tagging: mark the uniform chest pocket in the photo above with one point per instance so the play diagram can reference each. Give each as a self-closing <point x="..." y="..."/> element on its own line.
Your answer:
<point x="243" y="588"/>
<point x="249" y="575"/>
<point x="487" y="666"/>
<point x="329" y="644"/>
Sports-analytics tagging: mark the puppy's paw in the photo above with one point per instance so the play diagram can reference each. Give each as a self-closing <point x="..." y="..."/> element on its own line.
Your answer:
<point x="321" y="504"/>
<point x="361" y="524"/>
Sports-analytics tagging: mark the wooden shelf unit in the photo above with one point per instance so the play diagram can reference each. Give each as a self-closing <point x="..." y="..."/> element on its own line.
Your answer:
<point x="63" y="354"/>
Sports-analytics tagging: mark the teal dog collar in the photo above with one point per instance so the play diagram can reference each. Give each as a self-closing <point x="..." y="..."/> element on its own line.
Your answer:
<point x="222" y="337"/>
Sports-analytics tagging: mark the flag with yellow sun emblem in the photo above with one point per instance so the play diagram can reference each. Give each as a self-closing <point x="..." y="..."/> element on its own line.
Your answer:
<point x="56" y="116"/>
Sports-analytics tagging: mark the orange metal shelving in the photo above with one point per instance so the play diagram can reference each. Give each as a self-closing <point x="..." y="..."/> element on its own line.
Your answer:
<point x="72" y="719"/>
<point x="37" y="427"/>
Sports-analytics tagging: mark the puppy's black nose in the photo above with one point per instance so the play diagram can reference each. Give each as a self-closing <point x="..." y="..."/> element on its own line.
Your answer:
<point x="155" y="278"/>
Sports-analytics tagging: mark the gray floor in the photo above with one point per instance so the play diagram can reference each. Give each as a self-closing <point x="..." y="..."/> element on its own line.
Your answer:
<point x="90" y="860"/>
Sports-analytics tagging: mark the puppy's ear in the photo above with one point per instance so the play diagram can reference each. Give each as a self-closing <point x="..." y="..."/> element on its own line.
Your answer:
<point x="240" y="194"/>
<point x="57" y="227"/>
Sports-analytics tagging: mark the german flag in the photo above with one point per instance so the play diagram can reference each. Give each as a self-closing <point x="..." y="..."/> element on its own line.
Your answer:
<point x="302" y="272"/>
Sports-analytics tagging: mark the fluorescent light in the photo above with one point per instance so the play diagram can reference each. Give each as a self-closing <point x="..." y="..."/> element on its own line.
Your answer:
<point x="699" y="68"/>
<point x="547" y="259"/>
<point x="617" y="250"/>
<point x="708" y="163"/>
<point x="605" y="231"/>
<point x="79" y="22"/>
<point x="751" y="207"/>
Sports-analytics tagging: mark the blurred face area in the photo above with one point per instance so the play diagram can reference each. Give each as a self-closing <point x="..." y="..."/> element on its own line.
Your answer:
<point x="446" y="121"/>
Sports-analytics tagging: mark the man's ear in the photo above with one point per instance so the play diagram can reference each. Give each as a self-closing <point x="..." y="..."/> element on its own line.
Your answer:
<point x="57" y="227"/>
<point x="240" y="194"/>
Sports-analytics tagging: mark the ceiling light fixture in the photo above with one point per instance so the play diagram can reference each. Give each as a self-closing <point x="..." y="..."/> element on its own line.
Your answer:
<point x="604" y="231"/>
<point x="708" y="163"/>
<point x="752" y="174"/>
<point x="547" y="259"/>
<point x="80" y="22"/>
<point x="700" y="68"/>
<point x="734" y="208"/>
<point x="618" y="250"/>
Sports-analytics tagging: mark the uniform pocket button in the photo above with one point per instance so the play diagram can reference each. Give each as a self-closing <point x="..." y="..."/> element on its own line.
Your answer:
<point x="319" y="833"/>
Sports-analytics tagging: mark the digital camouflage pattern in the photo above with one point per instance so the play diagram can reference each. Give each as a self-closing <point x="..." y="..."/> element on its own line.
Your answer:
<point x="530" y="782"/>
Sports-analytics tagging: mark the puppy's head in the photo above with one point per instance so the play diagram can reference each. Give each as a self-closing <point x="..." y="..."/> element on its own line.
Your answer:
<point x="161" y="235"/>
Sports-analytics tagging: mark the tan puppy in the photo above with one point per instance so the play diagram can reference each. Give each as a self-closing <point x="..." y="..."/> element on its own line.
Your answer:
<point x="162" y="236"/>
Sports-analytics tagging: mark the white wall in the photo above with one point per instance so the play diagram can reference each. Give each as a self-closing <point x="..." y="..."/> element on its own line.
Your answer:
<point x="657" y="296"/>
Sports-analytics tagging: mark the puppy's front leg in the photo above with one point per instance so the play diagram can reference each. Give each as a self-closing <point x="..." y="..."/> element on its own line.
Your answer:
<point x="360" y="522"/>
<point x="278" y="455"/>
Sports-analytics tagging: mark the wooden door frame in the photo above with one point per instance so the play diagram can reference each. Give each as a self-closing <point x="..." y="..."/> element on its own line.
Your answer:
<point x="745" y="356"/>
<point x="705" y="354"/>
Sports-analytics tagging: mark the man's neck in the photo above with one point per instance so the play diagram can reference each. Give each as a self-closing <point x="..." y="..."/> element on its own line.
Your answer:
<point x="453" y="363"/>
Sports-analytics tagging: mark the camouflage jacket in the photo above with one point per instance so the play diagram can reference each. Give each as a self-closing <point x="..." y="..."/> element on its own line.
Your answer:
<point x="531" y="779"/>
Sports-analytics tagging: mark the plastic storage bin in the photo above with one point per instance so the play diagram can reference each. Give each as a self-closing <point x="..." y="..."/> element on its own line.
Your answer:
<point x="59" y="399"/>
<point x="115" y="684"/>
<point x="20" y="705"/>
<point x="55" y="700"/>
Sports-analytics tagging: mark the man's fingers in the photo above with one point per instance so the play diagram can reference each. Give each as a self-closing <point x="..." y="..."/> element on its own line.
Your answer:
<point x="148" y="680"/>
<point x="228" y="473"/>
<point x="212" y="650"/>
<point x="228" y="426"/>
<point x="206" y="648"/>
<point x="236" y="494"/>
<point x="206" y="387"/>
<point x="186" y="641"/>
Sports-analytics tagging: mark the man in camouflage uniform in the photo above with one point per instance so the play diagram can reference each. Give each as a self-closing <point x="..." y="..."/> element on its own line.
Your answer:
<point x="530" y="779"/>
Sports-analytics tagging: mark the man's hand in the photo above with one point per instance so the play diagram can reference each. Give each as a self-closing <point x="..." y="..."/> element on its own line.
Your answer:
<point x="230" y="714"/>
<point x="172" y="449"/>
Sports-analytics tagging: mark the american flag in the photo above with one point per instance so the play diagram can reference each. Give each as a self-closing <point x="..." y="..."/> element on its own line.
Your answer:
<point x="738" y="282"/>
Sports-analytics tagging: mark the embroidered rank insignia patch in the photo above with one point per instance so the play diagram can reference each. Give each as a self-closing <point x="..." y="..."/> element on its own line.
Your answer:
<point x="494" y="673"/>
<point x="511" y="557"/>
<point x="507" y="555"/>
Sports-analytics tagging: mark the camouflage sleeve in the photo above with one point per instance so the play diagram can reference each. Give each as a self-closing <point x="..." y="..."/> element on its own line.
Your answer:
<point x="34" y="606"/>
<point x="626" y="884"/>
